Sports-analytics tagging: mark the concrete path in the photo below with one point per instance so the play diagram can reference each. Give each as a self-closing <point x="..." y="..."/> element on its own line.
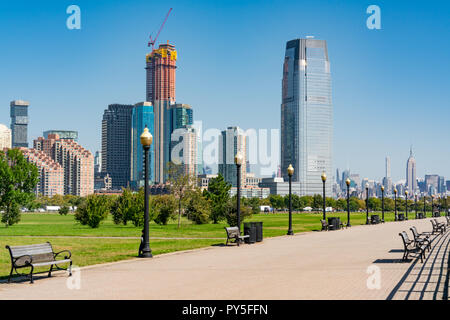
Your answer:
<point x="357" y="263"/>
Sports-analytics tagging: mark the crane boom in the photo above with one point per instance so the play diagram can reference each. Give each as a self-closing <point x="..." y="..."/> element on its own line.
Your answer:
<point x="152" y="41"/>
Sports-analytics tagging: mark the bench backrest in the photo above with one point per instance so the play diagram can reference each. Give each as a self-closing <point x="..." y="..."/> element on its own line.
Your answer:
<point x="232" y="232"/>
<point x="433" y="223"/>
<point x="414" y="232"/>
<point x="41" y="252"/>
<point x="405" y="238"/>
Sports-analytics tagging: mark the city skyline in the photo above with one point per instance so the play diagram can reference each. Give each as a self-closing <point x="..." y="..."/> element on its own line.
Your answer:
<point x="351" y="131"/>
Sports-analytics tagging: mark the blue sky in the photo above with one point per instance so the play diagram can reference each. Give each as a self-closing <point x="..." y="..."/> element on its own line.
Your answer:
<point x="390" y="86"/>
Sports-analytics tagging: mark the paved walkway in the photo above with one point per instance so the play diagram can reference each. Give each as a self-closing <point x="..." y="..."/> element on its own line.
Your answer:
<point x="361" y="262"/>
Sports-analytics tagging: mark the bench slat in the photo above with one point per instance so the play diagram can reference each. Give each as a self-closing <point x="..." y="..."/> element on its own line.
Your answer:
<point x="40" y="264"/>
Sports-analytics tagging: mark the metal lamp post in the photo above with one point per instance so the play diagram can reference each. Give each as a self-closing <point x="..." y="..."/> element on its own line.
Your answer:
<point x="238" y="159"/>
<point x="146" y="141"/>
<point x="440" y="205"/>
<point x="406" y="204"/>
<point x="347" y="182"/>
<point x="367" y="204"/>
<point x="324" y="178"/>
<point x="290" y="171"/>
<point x="382" y="202"/>
<point x="415" y="204"/>
<point x="432" y="205"/>
<point x="395" y="203"/>
<point x="424" y="206"/>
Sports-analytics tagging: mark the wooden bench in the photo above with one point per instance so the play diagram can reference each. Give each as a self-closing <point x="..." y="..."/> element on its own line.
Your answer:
<point x="411" y="246"/>
<point x="36" y="255"/>
<point x="326" y="226"/>
<point x="233" y="234"/>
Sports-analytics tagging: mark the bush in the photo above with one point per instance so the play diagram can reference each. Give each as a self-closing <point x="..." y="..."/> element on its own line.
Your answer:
<point x="164" y="207"/>
<point x="64" y="210"/>
<point x="92" y="211"/>
<point x="198" y="208"/>
<point x="123" y="206"/>
<point x="231" y="214"/>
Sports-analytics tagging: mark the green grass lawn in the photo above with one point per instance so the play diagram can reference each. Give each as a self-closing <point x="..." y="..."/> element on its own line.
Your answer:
<point x="39" y="227"/>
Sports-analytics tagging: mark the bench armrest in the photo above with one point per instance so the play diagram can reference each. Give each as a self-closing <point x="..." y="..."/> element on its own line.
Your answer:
<point x="27" y="262"/>
<point x="65" y="257"/>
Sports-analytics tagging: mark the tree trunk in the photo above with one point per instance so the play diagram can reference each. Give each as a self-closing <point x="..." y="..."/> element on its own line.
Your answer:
<point x="179" y="212"/>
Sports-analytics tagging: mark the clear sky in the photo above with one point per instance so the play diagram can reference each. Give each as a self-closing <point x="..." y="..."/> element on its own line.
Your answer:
<point x="391" y="87"/>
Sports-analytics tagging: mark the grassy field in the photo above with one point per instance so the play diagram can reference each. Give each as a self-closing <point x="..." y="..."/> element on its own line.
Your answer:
<point x="65" y="233"/>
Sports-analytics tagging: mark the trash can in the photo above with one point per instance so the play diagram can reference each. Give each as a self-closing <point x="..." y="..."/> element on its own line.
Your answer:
<point x="250" y="230"/>
<point x="259" y="231"/>
<point x="401" y="217"/>
<point x="334" y="223"/>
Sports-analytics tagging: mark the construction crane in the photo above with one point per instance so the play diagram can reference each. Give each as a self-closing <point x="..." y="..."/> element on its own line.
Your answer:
<point x="152" y="41"/>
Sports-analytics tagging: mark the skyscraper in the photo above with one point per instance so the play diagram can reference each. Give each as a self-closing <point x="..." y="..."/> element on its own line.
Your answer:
<point x="142" y="116"/>
<point x="19" y="123"/>
<point x="116" y="143"/>
<point x="185" y="151"/>
<point x="387" y="181"/>
<point x="160" y="91"/>
<point x="306" y="115"/>
<point x="231" y="142"/>
<point x="5" y="137"/>
<point x="411" y="179"/>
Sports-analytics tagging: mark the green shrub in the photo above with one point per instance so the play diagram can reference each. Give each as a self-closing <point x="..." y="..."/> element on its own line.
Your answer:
<point x="64" y="210"/>
<point x="92" y="211"/>
<point x="164" y="207"/>
<point x="231" y="214"/>
<point x="198" y="208"/>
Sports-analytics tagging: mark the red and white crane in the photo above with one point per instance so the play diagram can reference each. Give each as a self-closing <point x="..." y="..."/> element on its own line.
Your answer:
<point x="152" y="41"/>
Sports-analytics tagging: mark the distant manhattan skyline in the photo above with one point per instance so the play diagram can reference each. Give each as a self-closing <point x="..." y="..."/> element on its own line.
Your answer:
<point x="384" y="100"/>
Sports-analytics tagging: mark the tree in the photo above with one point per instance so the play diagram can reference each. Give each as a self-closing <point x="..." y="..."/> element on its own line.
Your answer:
<point x="92" y="211"/>
<point x="317" y="202"/>
<point x="198" y="208"/>
<point x="180" y="183"/>
<point x="18" y="179"/>
<point x="277" y="201"/>
<point x="218" y="194"/>
<point x="164" y="207"/>
<point x="374" y="204"/>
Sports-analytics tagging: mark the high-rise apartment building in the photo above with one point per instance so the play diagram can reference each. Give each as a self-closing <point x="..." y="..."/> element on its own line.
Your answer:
<point x="184" y="152"/>
<point x="431" y="181"/>
<point x="5" y="137"/>
<point x="160" y="66"/>
<point x="232" y="141"/>
<point x="77" y="162"/>
<point x="411" y="179"/>
<point x="307" y="115"/>
<point x="116" y="144"/>
<point x="142" y="116"/>
<point x="51" y="173"/>
<point x="160" y="91"/>
<point x="19" y="123"/>
<point x="387" y="180"/>
<point x="63" y="134"/>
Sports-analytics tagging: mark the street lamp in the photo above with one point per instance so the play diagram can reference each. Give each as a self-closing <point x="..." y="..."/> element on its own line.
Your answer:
<point x="395" y="203"/>
<point x="424" y="206"/>
<point x="324" y="178"/>
<point x="347" y="182"/>
<point x="415" y="204"/>
<point x="238" y="159"/>
<point x="290" y="171"/>
<point x="367" y="204"/>
<point x="440" y="205"/>
<point x="406" y="204"/>
<point x="146" y="141"/>
<point x="432" y="205"/>
<point x="382" y="202"/>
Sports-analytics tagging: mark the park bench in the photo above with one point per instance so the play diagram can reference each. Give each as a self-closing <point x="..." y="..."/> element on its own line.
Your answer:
<point x="437" y="227"/>
<point x="36" y="255"/>
<point x="234" y="234"/>
<point x="410" y="246"/>
<point x="421" y="239"/>
<point x="327" y="227"/>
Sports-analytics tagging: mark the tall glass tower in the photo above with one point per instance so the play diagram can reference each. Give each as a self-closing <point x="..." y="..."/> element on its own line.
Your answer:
<point x="142" y="116"/>
<point x="307" y="115"/>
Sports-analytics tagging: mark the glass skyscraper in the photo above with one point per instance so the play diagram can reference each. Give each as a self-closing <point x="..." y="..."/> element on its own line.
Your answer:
<point x="307" y="115"/>
<point x="142" y="115"/>
<point x="19" y="123"/>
